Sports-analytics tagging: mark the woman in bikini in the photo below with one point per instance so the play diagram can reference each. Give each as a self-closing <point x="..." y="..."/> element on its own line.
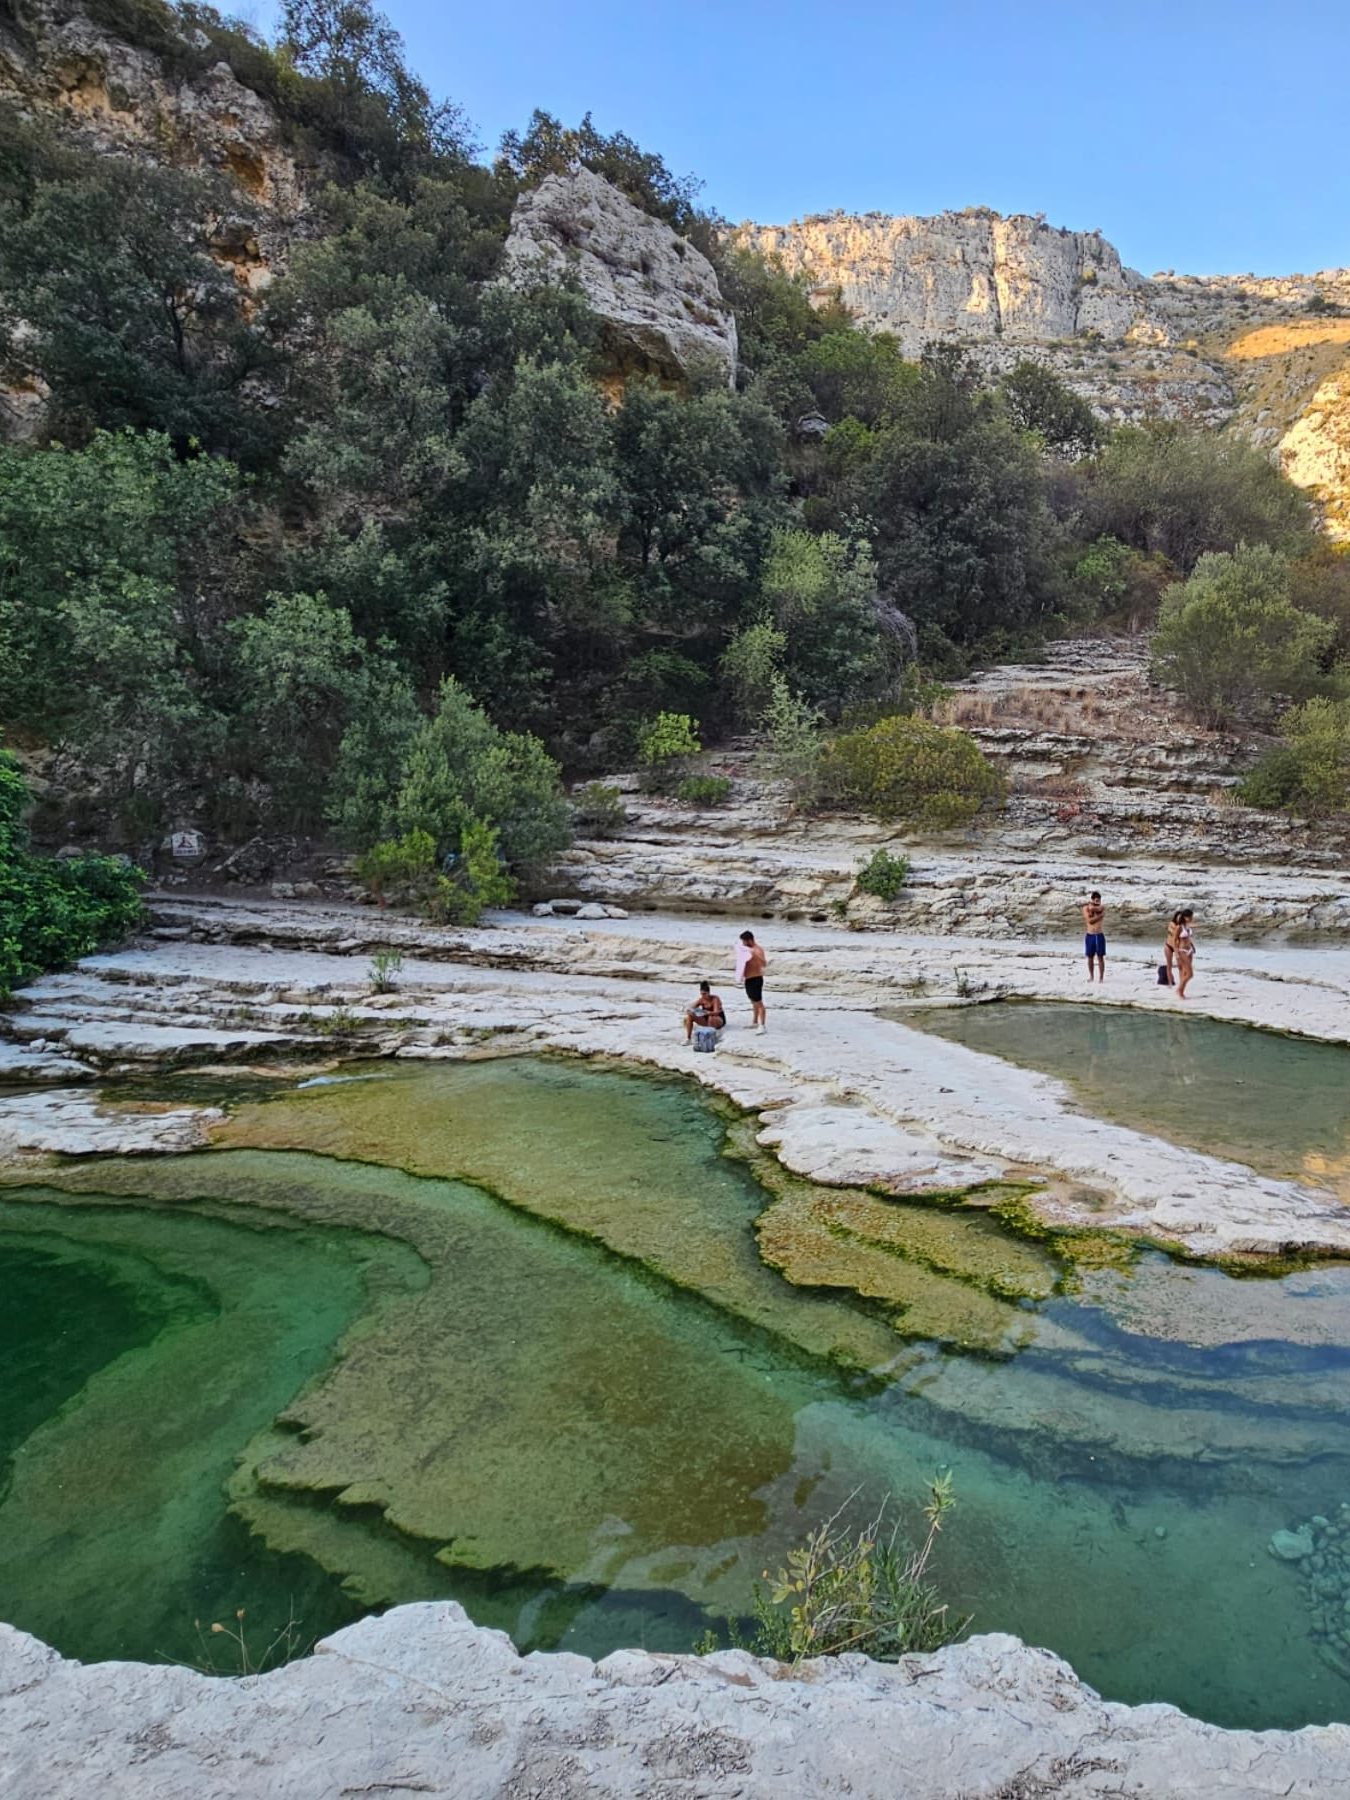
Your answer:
<point x="1185" y="952"/>
<point x="1170" y="948"/>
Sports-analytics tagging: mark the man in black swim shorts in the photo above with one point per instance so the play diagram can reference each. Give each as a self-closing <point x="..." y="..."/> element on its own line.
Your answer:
<point x="753" y="963"/>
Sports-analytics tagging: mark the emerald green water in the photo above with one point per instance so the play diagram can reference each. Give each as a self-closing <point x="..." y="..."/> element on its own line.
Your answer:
<point x="1280" y="1105"/>
<point x="505" y="1332"/>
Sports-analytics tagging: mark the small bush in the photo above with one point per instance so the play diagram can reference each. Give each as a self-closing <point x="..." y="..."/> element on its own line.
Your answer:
<point x="883" y="875"/>
<point x="385" y="968"/>
<point x="53" y="912"/>
<point x="864" y="1591"/>
<point x="796" y="747"/>
<point x="665" y="745"/>
<point x="399" y="868"/>
<point x="704" y="790"/>
<point x="405" y="869"/>
<point x="906" y="768"/>
<point x="598" y="811"/>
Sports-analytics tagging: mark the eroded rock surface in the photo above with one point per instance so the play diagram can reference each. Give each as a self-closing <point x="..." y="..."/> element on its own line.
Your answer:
<point x="422" y="1701"/>
<point x="656" y="295"/>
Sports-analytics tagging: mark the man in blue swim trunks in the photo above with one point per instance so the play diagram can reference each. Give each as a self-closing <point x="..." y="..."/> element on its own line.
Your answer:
<point x="1094" y="943"/>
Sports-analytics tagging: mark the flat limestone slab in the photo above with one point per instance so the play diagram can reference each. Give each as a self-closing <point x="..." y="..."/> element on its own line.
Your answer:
<point x="72" y="1122"/>
<point x="420" y="1701"/>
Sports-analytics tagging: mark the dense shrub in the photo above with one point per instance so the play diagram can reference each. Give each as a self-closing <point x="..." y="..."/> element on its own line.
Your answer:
<point x="882" y="875"/>
<point x="906" y="768"/>
<point x="599" y="811"/>
<point x="1230" y="640"/>
<point x="454" y="890"/>
<point x="1309" y="773"/>
<point x="1187" y="493"/>
<point x="665" y="745"/>
<point x="704" y="790"/>
<point x="52" y="912"/>
<point x="460" y="767"/>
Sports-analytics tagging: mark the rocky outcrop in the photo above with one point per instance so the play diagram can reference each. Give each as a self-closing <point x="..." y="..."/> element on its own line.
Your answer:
<point x="970" y="275"/>
<point x="1315" y="451"/>
<point x="656" y="296"/>
<point x="56" y="59"/>
<point x="421" y="1701"/>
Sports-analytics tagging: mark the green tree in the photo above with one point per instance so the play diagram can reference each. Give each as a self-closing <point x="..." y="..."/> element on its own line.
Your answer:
<point x="857" y="374"/>
<point x="111" y="296"/>
<point x="1230" y="641"/>
<point x="109" y="625"/>
<point x="698" y="495"/>
<point x="361" y="89"/>
<point x="1185" y="494"/>
<point x="547" y="147"/>
<point x="1038" y="401"/>
<point x="303" y="681"/>
<point x="1310" y="773"/>
<point x="962" y="534"/>
<point x="841" y="646"/>
<point x="461" y="767"/>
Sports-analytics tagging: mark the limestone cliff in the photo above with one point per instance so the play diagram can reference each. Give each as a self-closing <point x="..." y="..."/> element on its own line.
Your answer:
<point x="971" y="275"/>
<point x="1271" y="355"/>
<point x="191" y="110"/>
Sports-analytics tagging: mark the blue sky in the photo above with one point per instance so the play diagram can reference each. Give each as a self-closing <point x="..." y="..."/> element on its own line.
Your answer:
<point x="1205" y="137"/>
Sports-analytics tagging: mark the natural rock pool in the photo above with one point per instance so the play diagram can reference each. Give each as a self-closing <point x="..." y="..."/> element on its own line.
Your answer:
<point x="558" y="1342"/>
<point x="1279" y="1104"/>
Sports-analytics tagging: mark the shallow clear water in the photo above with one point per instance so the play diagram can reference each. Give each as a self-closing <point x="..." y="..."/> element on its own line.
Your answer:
<point x="1279" y="1104"/>
<point x="541" y="1366"/>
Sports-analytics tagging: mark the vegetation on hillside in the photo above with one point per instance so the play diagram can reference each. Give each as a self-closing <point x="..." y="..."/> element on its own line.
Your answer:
<point x="370" y="553"/>
<point x="53" y="910"/>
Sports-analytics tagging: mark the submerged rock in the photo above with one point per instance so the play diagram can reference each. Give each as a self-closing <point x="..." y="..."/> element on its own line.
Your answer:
<point x="1292" y="1546"/>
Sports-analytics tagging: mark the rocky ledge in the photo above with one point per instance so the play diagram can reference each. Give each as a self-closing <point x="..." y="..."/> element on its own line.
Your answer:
<point x="421" y="1701"/>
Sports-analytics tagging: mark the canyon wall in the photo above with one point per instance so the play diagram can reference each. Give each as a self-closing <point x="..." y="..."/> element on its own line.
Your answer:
<point x="1269" y="355"/>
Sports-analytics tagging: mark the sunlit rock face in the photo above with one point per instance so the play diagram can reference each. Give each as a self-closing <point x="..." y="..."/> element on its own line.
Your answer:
<point x="970" y="274"/>
<point x="56" y="59"/>
<point x="655" y="294"/>
<point x="1315" y="452"/>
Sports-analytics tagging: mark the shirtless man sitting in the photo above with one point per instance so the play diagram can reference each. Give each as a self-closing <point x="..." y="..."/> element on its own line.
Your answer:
<point x="1094" y="941"/>
<point x="706" y="1010"/>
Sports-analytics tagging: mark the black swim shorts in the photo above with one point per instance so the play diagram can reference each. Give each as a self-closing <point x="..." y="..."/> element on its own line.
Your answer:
<point x="754" y="989"/>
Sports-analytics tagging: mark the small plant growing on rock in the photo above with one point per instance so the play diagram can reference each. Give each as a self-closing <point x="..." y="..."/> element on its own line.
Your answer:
<point x="665" y="745"/>
<point x="704" y="790"/>
<point x="245" y="1658"/>
<point x="847" y="1590"/>
<point x="598" y="811"/>
<point x="883" y="875"/>
<point x="385" y="968"/>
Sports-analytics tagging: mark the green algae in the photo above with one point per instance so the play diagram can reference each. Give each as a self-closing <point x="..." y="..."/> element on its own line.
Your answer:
<point x="540" y="1137"/>
<point x="587" y="1451"/>
<point x="126" y="1471"/>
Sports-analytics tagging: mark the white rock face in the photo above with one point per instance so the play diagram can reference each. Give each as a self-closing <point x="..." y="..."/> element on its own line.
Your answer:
<point x="71" y="1122"/>
<point x="421" y="1701"/>
<point x="657" y="296"/>
<point x="968" y="275"/>
<point x="1315" y="451"/>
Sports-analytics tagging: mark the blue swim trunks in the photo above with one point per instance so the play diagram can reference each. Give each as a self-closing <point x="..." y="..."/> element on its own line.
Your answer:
<point x="1094" y="943"/>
